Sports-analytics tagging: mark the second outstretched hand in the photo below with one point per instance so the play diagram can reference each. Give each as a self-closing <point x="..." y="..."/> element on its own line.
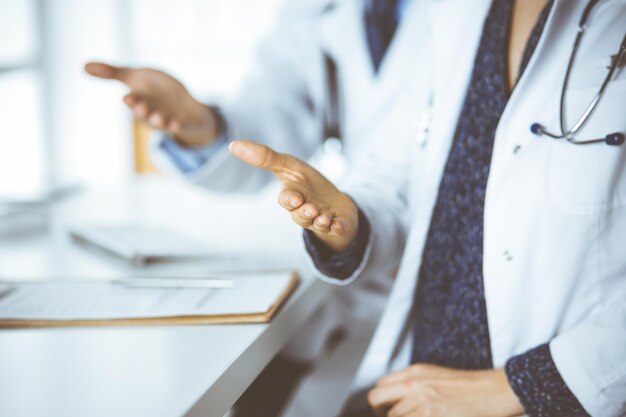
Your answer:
<point x="163" y="102"/>
<point x="313" y="201"/>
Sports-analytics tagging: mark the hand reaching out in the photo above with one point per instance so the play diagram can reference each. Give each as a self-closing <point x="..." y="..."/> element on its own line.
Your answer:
<point x="314" y="202"/>
<point x="162" y="101"/>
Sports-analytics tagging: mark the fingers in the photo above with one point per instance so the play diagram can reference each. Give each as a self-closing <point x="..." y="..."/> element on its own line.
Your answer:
<point x="408" y="406"/>
<point x="108" y="72"/>
<point x="309" y="216"/>
<point x="157" y="120"/>
<point x="140" y="108"/>
<point x="313" y="201"/>
<point x="143" y="111"/>
<point x="174" y="126"/>
<point x="412" y="372"/>
<point x="264" y="157"/>
<point x="322" y="223"/>
<point x="144" y="107"/>
<point x="395" y="377"/>
<point x="305" y="215"/>
<point x="340" y="227"/>
<point x="384" y="397"/>
<point x="290" y="200"/>
<point x="130" y="100"/>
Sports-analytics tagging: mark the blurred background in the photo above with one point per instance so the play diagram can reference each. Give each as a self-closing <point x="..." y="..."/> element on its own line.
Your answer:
<point x="59" y="127"/>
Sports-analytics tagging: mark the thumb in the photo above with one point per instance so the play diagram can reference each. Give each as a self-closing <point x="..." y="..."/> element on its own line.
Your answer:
<point x="108" y="72"/>
<point x="264" y="157"/>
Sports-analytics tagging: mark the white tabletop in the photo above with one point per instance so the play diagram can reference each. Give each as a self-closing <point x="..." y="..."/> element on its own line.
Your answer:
<point x="149" y="371"/>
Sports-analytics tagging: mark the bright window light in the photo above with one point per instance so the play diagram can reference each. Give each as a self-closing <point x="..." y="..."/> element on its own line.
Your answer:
<point x="21" y="150"/>
<point x="18" y="42"/>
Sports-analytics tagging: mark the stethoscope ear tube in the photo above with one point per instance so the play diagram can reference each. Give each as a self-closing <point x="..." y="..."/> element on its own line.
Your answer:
<point x="585" y="16"/>
<point x="614" y="139"/>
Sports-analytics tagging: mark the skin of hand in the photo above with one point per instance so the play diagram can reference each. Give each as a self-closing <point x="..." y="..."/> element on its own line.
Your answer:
<point x="163" y="102"/>
<point x="424" y="390"/>
<point x="314" y="202"/>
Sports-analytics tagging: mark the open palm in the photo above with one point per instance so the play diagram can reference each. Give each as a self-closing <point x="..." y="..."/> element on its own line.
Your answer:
<point x="314" y="202"/>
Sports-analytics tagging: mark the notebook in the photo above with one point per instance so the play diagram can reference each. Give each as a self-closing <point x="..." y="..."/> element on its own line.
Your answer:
<point x="141" y="244"/>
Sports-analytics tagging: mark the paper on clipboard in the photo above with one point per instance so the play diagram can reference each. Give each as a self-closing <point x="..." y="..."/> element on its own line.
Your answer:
<point x="93" y="300"/>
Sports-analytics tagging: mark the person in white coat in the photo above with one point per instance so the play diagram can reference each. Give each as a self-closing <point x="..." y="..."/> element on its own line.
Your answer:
<point x="530" y="233"/>
<point x="331" y="68"/>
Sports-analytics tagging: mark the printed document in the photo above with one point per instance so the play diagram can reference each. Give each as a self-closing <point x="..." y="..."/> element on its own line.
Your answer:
<point x="102" y="300"/>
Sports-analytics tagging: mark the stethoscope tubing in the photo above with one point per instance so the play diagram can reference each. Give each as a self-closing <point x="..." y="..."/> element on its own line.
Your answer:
<point x="568" y="134"/>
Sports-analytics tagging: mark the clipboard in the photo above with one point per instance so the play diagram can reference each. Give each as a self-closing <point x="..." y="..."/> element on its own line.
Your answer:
<point x="247" y="318"/>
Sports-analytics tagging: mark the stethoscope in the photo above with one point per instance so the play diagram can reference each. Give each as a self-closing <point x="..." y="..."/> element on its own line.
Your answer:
<point x="616" y="138"/>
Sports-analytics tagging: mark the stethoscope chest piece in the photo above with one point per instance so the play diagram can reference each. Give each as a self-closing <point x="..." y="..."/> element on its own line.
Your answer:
<point x="612" y="139"/>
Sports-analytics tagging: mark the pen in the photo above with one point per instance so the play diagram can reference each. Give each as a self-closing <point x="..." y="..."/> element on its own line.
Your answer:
<point x="175" y="282"/>
<point x="6" y="291"/>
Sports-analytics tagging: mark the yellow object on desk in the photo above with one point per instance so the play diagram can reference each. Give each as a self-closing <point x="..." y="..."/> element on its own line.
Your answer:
<point x="143" y="162"/>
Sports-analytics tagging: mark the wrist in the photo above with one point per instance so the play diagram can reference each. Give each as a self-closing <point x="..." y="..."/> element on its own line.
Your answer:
<point x="505" y="401"/>
<point x="206" y="129"/>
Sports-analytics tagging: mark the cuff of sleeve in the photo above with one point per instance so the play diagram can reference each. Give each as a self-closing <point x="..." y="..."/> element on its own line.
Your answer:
<point x="340" y="265"/>
<point x="189" y="160"/>
<point x="539" y="386"/>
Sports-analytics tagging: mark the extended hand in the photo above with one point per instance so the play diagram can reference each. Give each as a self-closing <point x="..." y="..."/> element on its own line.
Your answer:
<point x="163" y="102"/>
<point x="428" y="390"/>
<point x="314" y="202"/>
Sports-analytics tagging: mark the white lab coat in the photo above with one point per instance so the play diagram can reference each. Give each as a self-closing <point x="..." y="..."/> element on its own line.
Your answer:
<point x="282" y="105"/>
<point x="555" y="214"/>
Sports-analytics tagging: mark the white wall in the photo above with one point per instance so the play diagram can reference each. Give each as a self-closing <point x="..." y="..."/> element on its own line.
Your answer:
<point x="208" y="44"/>
<point x="64" y="127"/>
<point x="89" y="130"/>
<point x="22" y="166"/>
